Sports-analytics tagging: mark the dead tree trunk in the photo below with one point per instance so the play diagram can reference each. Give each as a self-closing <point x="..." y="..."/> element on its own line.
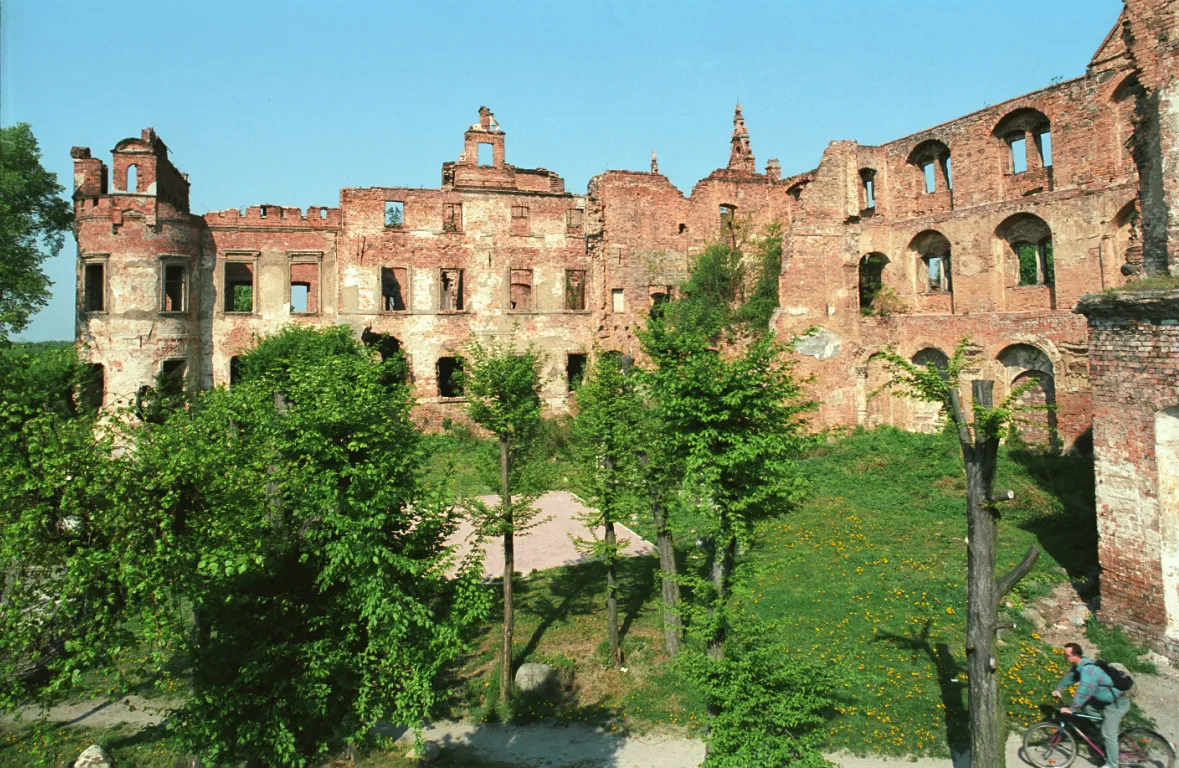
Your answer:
<point x="506" y="682"/>
<point x="987" y="713"/>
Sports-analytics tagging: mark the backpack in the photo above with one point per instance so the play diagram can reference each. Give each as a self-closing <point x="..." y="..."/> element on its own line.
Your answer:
<point x="1121" y="681"/>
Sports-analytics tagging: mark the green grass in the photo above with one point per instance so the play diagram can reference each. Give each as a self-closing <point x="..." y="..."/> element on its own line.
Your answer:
<point x="1116" y="647"/>
<point x="1163" y="282"/>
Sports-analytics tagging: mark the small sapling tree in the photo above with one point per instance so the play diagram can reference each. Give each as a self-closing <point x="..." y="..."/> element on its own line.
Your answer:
<point x="502" y="385"/>
<point x="979" y="440"/>
<point x="607" y="434"/>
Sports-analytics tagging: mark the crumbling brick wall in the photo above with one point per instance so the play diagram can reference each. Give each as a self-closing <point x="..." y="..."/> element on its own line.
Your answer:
<point x="1134" y="370"/>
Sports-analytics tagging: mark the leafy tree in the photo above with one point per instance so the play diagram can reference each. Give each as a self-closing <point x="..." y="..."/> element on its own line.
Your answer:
<point x="607" y="443"/>
<point x="502" y="385"/>
<point x="979" y="440"/>
<point x="33" y="221"/>
<point x="270" y="545"/>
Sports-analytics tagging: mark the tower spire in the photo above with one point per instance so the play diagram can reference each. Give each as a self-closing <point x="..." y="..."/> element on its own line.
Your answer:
<point x="740" y="153"/>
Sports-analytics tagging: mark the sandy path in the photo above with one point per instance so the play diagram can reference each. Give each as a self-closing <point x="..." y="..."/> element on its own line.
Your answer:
<point x="550" y="543"/>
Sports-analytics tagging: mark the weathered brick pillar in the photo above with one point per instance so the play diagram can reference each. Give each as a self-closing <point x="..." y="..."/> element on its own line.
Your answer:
<point x="1134" y="375"/>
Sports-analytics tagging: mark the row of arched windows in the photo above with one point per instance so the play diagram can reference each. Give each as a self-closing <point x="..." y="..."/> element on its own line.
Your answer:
<point x="1026" y="238"/>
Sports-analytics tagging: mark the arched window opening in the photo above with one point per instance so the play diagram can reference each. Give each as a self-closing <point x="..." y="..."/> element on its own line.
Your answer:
<point x="132" y="178"/>
<point x="932" y="157"/>
<point x="1029" y="240"/>
<point x="1030" y="368"/>
<point x="934" y="268"/>
<point x="871" y="278"/>
<point x="926" y="416"/>
<point x="932" y="357"/>
<point x="1027" y="133"/>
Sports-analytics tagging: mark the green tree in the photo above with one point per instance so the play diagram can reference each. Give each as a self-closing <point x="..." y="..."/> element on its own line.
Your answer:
<point x="979" y="440"/>
<point x="271" y="546"/>
<point x="607" y="435"/>
<point x="502" y="385"/>
<point x="33" y="222"/>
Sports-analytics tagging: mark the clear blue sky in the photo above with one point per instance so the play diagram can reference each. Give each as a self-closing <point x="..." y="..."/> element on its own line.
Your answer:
<point x="286" y="102"/>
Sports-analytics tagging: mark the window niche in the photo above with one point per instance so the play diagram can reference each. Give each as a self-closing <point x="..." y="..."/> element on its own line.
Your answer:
<point x="173" y="287"/>
<point x="450" y="290"/>
<point x="238" y="281"/>
<point x="934" y="268"/>
<point x="575" y="290"/>
<point x="452" y="217"/>
<point x="94" y="284"/>
<point x="394" y="288"/>
<point x="521" y="222"/>
<point x="575" y="365"/>
<point x="520" y="290"/>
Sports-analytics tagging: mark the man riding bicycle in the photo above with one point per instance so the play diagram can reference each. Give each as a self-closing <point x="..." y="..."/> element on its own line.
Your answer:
<point x="1095" y="691"/>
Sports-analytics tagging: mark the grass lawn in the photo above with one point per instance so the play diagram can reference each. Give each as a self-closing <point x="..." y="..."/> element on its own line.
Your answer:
<point x="868" y="575"/>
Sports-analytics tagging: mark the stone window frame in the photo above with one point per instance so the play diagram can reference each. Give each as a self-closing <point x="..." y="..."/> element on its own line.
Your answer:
<point x="96" y="258"/>
<point x="451" y="225"/>
<point x="462" y="287"/>
<point x="305" y="257"/>
<point x="164" y="261"/>
<point x="239" y="257"/>
<point x="406" y="291"/>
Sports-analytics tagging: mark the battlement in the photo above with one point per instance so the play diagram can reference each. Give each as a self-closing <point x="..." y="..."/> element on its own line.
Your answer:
<point x="316" y="217"/>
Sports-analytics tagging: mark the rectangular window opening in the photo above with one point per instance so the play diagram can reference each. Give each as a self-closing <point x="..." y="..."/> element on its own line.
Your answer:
<point x="394" y="213"/>
<point x="1019" y="155"/>
<point x="948" y="171"/>
<point x="172" y="377"/>
<point x="235" y="371"/>
<point x="92" y="389"/>
<point x="450" y="372"/>
<point x="575" y="289"/>
<point x="452" y="217"/>
<point x="617" y="303"/>
<point x="239" y="287"/>
<point x="938" y="267"/>
<point x="486" y="154"/>
<point x="393" y="288"/>
<point x="450" y="293"/>
<point x="1044" y="145"/>
<point x="574" y="370"/>
<point x="300" y="298"/>
<point x="520" y="291"/>
<point x="175" y="288"/>
<point x="927" y="171"/>
<point x="870" y="193"/>
<point x="304" y="287"/>
<point x="94" y="288"/>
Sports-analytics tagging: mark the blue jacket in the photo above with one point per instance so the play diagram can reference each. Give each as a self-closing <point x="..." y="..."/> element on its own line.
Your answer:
<point x="1091" y="682"/>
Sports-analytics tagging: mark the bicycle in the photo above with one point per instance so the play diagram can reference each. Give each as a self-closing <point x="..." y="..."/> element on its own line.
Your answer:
<point x="1051" y="744"/>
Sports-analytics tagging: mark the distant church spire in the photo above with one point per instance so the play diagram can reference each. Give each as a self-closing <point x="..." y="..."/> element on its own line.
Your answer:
<point x="740" y="153"/>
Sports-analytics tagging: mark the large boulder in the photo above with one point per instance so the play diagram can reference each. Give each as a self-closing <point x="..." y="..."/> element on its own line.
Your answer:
<point x="533" y="678"/>
<point x="93" y="757"/>
<point x="424" y="751"/>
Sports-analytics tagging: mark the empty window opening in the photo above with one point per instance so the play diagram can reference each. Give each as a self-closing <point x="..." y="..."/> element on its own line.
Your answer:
<point x="486" y="154"/>
<point x="683" y="228"/>
<point x="617" y="303"/>
<point x="659" y="294"/>
<point x="574" y="370"/>
<point x="575" y="289"/>
<point x="520" y="222"/>
<point x="175" y="288"/>
<point x="394" y="213"/>
<point x="928" y="172"/>
<point x="947" y="171"/>
<point x="92" y="387"/>
<point x="132" y="178"/>
<point x="304" y="287"/>
<point x="573" y="220"/>
<point x="386" y="346"/>
<point x="393" y="285"/>
<point x="172" y="378"/>
<point x="94" y="288"/>
<point x="450" y="377"/>
<point x="300" y="298"/>
<point x="520" y="295"/>
<point x="452" y="217"/>
<point x="1035" y="263"/>
<point x="235" y="371"/>
<point x="1044" y="146"/>
<point x="1019" y="154"/>
<point x="262" y="211"/>
<point x="868" y="189"/>
<point x="871" y="278"/>
<point x="728" y="214"/>
<point x="239" y="287"/>
<point x="938" y="269"/>
<point x="450" y="293"/>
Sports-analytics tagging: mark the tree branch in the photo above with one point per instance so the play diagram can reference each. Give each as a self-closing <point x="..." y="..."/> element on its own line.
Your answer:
<point x="1018" y="572"/>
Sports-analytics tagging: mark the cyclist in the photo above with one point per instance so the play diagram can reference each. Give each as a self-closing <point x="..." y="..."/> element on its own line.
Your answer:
<point x="1096" y="692"/>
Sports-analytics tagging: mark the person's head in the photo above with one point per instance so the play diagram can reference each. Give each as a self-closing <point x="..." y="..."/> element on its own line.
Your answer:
<point x="1073" y="653"/>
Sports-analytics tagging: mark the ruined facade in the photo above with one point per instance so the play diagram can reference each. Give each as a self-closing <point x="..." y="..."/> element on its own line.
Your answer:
<point x="991" y="226"/>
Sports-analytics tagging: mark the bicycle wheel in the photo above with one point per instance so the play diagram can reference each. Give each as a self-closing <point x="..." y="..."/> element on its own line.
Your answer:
<point x="1144" y="749"/>
<point x="1049" y="745"/>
